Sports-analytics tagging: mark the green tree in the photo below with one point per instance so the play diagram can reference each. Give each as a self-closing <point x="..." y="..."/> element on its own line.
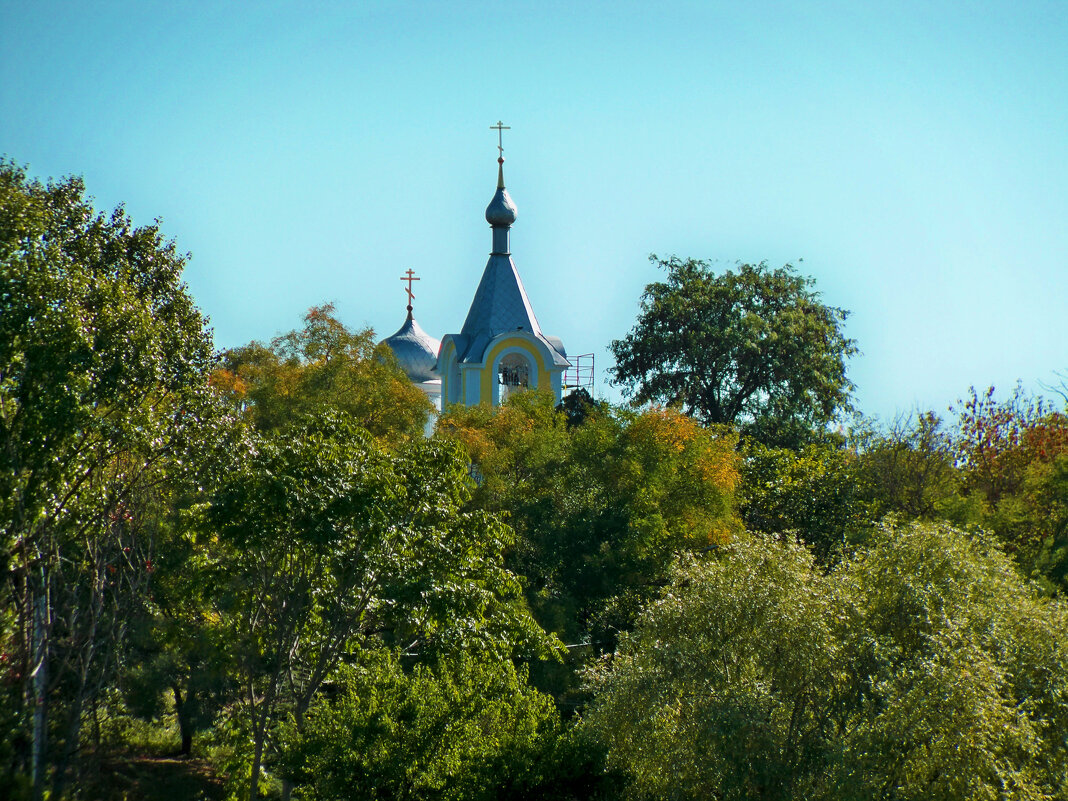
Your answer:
<point x="459" y="729"/>
<point x="181" y="653"/>
<point x="715" y="694"/>
<point x="908" y="469"/>
<point x="754" y="348"/>
<point x="921" y="668"/>
<point x="324" y="365"/>
<point x="812" y="493"/>
<point x="1012" y="456"/>
<point x="104" y="398"/>
<point x="600" y="506"/>
<point x="325" y="544"/>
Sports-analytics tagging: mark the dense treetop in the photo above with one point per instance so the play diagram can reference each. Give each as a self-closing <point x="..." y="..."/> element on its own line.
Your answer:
<point x="753" y="347"/>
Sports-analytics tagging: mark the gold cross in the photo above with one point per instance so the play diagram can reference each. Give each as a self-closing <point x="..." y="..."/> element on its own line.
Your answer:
<point x="409" y="277"/>
<point x="500" y="126"/>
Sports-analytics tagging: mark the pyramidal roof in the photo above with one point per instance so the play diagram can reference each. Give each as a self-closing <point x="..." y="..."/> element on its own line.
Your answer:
<point x="500" y="304"/>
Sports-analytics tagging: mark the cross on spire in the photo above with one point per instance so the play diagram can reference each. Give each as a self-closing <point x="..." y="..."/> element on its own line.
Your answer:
<point x="500" y="127"/>
<point x="409" y="276"/>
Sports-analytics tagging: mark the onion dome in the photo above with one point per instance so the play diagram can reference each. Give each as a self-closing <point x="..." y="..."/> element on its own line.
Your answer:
<point x="501" y="211"/>
<point x="416" y="350"/>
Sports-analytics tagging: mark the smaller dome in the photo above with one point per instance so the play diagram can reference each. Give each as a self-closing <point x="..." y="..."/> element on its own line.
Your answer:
<point x="501" y="210"/>
<point x="416" y="350"/>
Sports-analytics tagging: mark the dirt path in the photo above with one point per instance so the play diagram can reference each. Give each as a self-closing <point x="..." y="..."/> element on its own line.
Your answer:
<point x="147" y="778"/>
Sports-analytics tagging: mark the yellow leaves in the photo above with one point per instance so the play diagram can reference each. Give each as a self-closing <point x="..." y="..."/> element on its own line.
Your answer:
<point x="325" y="366"/>
<point x="666" y="428"/>
<point x="708" y="454"/>
<point x="224" y="380"/>
<point x="475" y="441"/>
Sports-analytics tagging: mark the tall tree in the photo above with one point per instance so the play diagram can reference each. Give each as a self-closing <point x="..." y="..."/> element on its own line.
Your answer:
<point x="325" y="544"/>
<point x="600" y="506"/>
<point x="754" y="348"/>
<point x="104" y="396"/>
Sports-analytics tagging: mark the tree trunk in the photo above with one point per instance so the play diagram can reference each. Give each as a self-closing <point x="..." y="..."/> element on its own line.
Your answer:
<point x="40" y="698"/>
<point x="257" y="760"/>
<point x="187" y="742"/>
<point x="259" y="734"/>
<point x="185" y="725"/>
<point x="287" y="785"/>
<point x="70" y="745"/>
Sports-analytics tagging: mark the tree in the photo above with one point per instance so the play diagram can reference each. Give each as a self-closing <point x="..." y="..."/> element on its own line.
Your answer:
<point x="180" y="651"/>
<point x="600" y="505"/>
<point x="324" y="365"/>
<point x="754" y="348"/>
<point x="1012" y="457"/>
<point x="907" y="469"/>
<point x="811" y="493"/>
<point x="457" y="729"/>
<point x="922" y="667"/>
<point x="325" y="544"/>
<point x="104" y="399"/>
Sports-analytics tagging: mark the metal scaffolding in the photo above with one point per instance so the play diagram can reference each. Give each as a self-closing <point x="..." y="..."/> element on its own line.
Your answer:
<point x="580" y="374"/>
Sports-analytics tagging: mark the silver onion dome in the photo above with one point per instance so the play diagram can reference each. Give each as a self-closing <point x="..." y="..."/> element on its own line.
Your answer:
<point x="416" y="350"/>
<point x="501" y="211"/>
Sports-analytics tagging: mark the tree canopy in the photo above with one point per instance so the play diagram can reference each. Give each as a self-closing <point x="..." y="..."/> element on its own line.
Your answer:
<point x="324" y="365"/>
<point x="104" y="409"/>
<point x="753" y="347"/>
<point x="261" y="554"/>
<point x="923" y="667"/>
<point x="324" y="544"/>
<point x="600" y="507"/>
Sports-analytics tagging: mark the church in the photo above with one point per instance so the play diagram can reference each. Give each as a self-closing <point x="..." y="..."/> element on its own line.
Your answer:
<point x="500" y="348"/>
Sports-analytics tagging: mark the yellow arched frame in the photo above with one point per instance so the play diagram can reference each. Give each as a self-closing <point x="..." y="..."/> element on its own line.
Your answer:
<point x="489" y="373"/>
<point x="448" y="355"/>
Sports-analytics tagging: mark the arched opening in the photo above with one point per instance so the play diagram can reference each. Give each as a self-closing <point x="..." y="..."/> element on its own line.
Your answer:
<point x="513" y="374"/>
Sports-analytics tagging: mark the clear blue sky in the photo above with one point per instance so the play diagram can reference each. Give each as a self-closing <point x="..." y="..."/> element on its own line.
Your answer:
<point x="915" y="155"/>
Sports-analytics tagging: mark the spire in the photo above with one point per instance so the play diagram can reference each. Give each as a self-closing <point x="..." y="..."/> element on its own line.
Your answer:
<point x="500" y="309"/>
<point x="501" y="211"/>
<point x="500" y="302"/>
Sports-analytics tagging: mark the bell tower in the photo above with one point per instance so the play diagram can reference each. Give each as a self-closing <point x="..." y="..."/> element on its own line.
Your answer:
<point x="500" y="349"/>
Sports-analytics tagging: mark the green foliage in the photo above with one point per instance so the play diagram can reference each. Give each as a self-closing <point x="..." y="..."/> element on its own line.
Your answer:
<point x="336" y="603"/>
<point x="461" y="729"/>
<point x="104" y="408"/>
<point x="908" y="470"/>
<point x="921" y="668"/>
<point x="324" y="366"/>
<point x="812" y="494"/>
<point x="1001" y="468"/>
<point x="181" y="656"/>
<point x="325" y="543"/>
<point x="1011" y="457"/>
<point x="753" y="348"/>
<point x="599" y="504"/>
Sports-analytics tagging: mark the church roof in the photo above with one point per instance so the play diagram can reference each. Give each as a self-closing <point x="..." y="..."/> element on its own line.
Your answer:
<point x="416" y="350"/>
<point x="500" y="304"/>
